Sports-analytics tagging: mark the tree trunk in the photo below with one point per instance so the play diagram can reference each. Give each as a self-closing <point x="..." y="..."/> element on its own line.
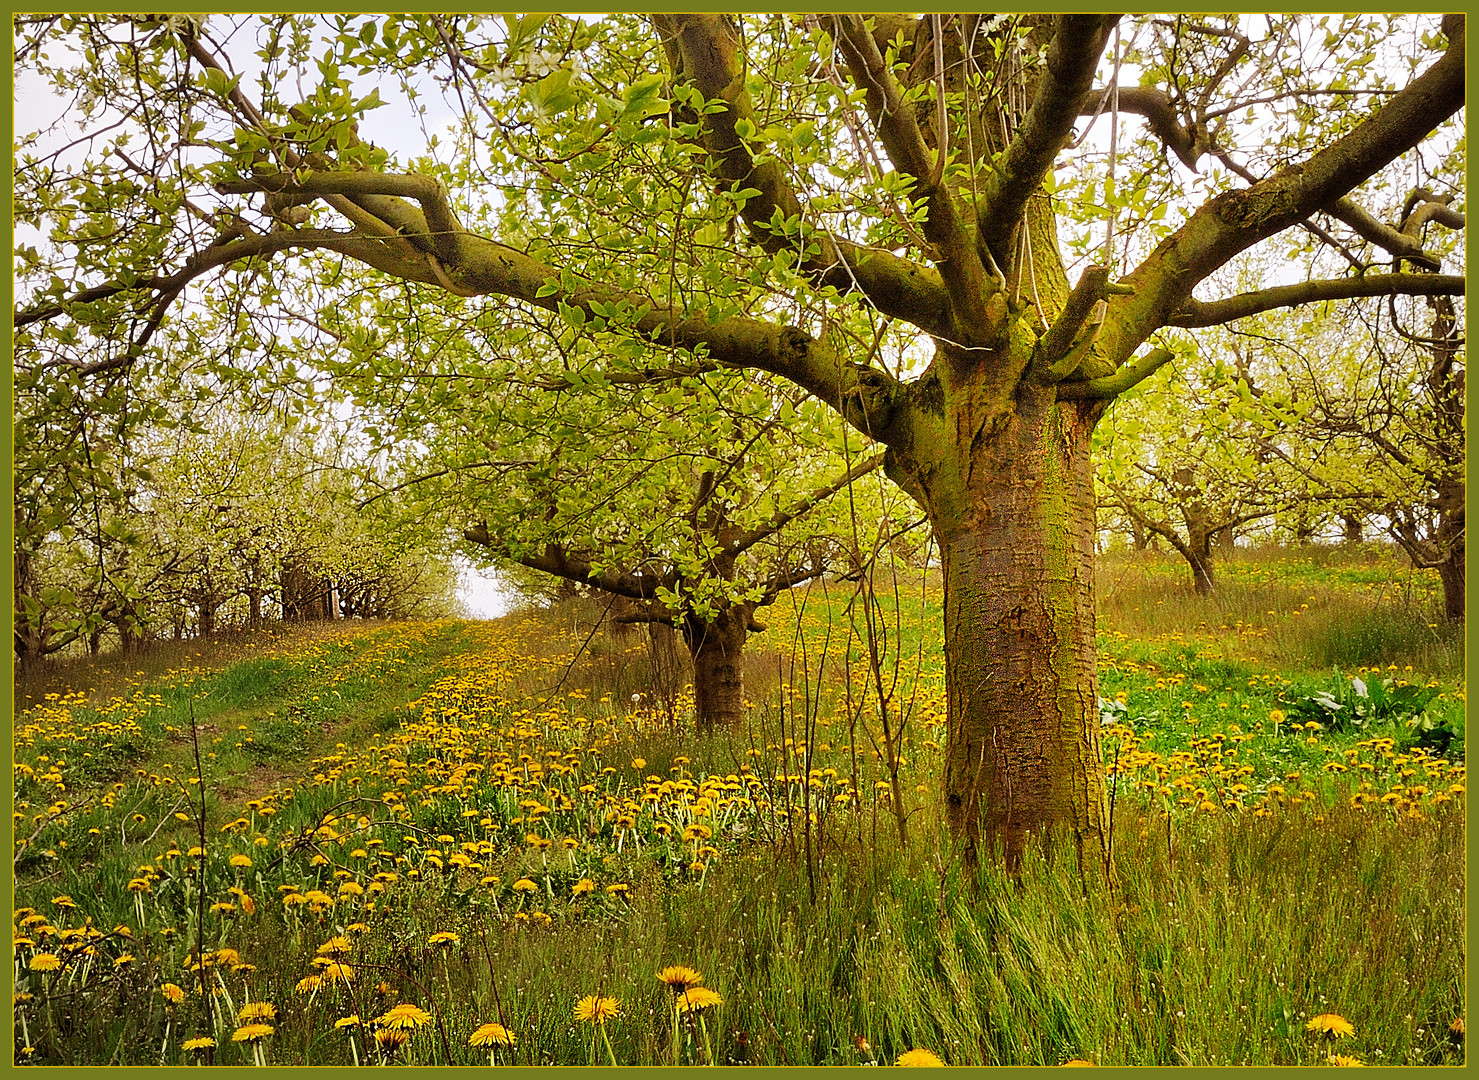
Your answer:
<point x="718" y="650"/>
<point x="1352" y="528"/>
<point x="1199" y="556"/>
<point x="1224" y="540"/>
<point x="1015" y="525"/>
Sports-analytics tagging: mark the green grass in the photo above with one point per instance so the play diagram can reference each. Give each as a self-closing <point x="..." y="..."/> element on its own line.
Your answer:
<point x="385" y="750"/>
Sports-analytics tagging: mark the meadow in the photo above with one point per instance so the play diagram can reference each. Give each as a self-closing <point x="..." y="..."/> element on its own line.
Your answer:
<point x="499" y="842"/>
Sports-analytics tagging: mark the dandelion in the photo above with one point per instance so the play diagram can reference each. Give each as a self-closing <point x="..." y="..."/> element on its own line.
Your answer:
<point x="197" y="1044"/>
<point x="583" y="886"/>
<point x="596" y="1010"/>
<point x="172" y="993"/>
<point x="524" y="885"/>
<point x="919" y="1057"/>
<point x="45" y="962"/>
<point x="309" y="984"/>
<point x="679" y="978"/>
<point x="1343" y="1059"/>
<point x="337" y="972"/>
<point x="253" y="1034"/>
<point x="696" y="998"/>
<point x="1079" y="1061"/>
<point x="390" y="1040"/>
<point x="1330" y="1026"/>
<point x="593" y="1009"/>
<point x="256" y="1012"/>
<point x="241" y="862"/>
<point x="443" y="938"/>
<point x="492" y="1036"/>
<point x="347" y="1022"/>
<point x="336" y="947"/>
<point x="404" y="1017"/>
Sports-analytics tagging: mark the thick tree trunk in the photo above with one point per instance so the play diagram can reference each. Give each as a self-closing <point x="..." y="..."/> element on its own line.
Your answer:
<point x="1015" y="525"/>
<point x="1352" y="526"/>
<point x="718" y="650"/>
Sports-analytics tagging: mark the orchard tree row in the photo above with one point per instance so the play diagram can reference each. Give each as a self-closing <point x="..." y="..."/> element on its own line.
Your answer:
<point x="638" y="301"/>
<point x="127" y="532"/>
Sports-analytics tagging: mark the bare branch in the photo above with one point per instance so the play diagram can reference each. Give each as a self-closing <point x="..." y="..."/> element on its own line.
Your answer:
<point x="1197" y="313"/>
<point x="1234" y="221"/>
<point x="960" y="266"/>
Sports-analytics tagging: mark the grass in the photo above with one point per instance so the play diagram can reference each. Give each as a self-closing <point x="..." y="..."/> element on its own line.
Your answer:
<point x="475" y="820"/>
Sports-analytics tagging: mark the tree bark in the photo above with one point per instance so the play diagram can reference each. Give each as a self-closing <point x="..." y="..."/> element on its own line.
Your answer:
<point x="1014" y="517"/>
<point x="718" y="649"/>
<point x="1199" y="556"/>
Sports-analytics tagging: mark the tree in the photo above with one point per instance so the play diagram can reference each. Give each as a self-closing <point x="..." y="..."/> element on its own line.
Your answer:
<point x="697" y="504"/>
<point x="766" y="193"/>
<point x="1192" y="456"/>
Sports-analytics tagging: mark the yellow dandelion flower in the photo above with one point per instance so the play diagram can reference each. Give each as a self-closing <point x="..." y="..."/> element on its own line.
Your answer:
<point x="45" y="961"/>
<point x="1343" y="1059"/>
<point x="349" y="1021"/>
<point x="404" y="1016"/>
<point x="251" y="1033"/>
<point x="257" y="1012"/>
<point x="337" y="972"/>
<point x="308" y="984"/>
<point x="1330" y="1026"/>
<point x="583" y="886"/>
<point x="679" y="978"/>
<point x="594" y="1009"/>
<point x="1079" y="1061"/>
<point x="444" y="939"/>
<point x="391" y="1039"/>
<point x="241" y="862"/>
<point x="491" y="1035"/>
<point x="172" y="993"/>
<point x="919" y="1058"/>
<point x="336" y="946"/>
<point x="697" y="997"/>
<point x="199" y="1043"/>
<point x="524" y="885"/>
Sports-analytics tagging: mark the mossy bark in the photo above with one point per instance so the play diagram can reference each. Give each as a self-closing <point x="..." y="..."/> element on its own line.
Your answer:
<point x="1012" y="505"/>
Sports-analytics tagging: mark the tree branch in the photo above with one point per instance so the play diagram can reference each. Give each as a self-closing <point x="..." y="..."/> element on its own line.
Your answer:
<point x="1113" y="385"/>
<point x="1065" y="86"/>
<point x="1235" y="221"/>
<point x="749" y="539"/>
<point x="706" y="50"/>
<point x="558" y="563"/>
<point x="1196" y="313"/>
<point x="960" y="267"/>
